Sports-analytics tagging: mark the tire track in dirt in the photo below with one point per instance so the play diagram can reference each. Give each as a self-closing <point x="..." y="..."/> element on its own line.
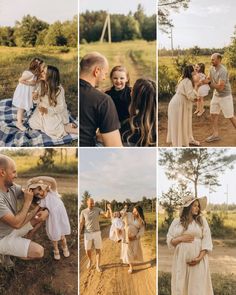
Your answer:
<point x="114" y="279"/>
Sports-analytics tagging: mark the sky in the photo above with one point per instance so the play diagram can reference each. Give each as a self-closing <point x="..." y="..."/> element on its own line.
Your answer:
<point x="206" y="23"/>
<point x="121" y="6"/>
<point x="118" y="173"/>
<point x="46" y="10"/>
<point x="227" y="181"/>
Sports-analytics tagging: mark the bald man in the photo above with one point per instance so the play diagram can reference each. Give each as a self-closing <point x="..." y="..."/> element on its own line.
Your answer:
<point x="89" y="222"/>
<point x="97" y="110"/>
<point x="14" y="224"/>
<point x="222" y="99"/>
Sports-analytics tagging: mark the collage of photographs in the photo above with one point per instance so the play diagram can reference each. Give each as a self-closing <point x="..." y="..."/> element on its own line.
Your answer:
<point x="117" y="147"/>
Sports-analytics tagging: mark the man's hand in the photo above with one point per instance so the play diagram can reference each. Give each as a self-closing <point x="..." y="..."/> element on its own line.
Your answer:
<point x="42" y="215"/>
<point x="28" y="195"/>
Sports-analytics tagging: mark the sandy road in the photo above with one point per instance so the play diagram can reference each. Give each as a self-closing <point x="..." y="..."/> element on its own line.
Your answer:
<point x="114" y="279"/>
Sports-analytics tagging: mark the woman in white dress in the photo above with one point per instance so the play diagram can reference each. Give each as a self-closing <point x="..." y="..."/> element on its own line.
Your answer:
<point x="51" y="114"/>
<point x="57" y="224"/>
<point x="131" y="249"/>
<point x="180" y="111"/>
<point x="190" y="237"/>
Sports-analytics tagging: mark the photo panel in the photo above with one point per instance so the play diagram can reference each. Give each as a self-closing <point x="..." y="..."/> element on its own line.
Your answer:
<point x="39" y="73"/>
<point x="39" y="220"/>
<point x="117" y="73"/>
<point x="196" y="73"/>
<point x="196" y="221"/>
<point x="117" y="248"/>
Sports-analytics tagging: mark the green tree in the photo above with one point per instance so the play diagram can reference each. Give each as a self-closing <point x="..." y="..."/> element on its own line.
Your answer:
<point x="7" y="36"/>
<point x="55" y="35"/>
<point x="84" y="199"/>
<point x="27" y="30"/>
<point x="230" y="52"/>
<point x="46" y="160"/>
<point x="199" y="166"/>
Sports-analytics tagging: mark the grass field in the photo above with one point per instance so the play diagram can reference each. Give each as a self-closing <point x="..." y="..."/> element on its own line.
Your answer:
<point x="139" y="57"/>
<point x="26" y="161"/>
<point x="14" y="60"/>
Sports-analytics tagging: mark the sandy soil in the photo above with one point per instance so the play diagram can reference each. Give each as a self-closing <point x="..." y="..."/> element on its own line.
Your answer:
<point x="201" y="128"/>
<point x="114" y="279"/>
<point x="222" y="259"/>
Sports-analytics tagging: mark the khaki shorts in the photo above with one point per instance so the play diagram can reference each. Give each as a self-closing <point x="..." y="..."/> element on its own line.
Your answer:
<point x="224" y="104"/>
<point x="14" y="244"/>
<point x="90" y="238"/>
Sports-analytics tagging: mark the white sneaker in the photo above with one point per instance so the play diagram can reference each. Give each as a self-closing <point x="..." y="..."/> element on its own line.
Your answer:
<point x="130" y="271"/>
<point x="98" y="268"/>
<point x="66" y="252"/>
<point x="56" y="255"/>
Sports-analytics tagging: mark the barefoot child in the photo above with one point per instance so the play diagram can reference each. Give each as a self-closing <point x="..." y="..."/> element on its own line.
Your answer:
<point x="117" y="227"/>
<point x="22" y="98"/>
<point x="203" y="90"/>
<point x="120" y="92"/>
<point x="57" y="224"/>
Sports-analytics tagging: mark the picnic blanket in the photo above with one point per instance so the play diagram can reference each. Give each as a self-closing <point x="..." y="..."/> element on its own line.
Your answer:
<point x="11" y="136"/>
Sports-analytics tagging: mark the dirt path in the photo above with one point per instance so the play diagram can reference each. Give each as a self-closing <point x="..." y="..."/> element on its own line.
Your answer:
<point x="114" y="279"/>
<point x="201" y="128"/>
<point x="222" y="259"/>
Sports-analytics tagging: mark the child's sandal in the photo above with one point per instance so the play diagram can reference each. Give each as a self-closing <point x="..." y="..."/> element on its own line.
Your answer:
<point x="66" y="252"/>
<point x="56" y="255"/>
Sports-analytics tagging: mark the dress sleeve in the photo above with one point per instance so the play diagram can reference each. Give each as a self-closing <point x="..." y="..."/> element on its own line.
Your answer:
<point x="206" y="240"/>
<point x="27" y="75"/>
<point x="140" y="232"/>
<point x="172" y="233"/>
<point x="190" y="92"/>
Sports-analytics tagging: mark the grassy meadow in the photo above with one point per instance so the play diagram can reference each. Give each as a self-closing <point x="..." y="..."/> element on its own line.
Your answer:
<point x="139" y="57"/>
<point x="169" y="62"/>
<point x="14" y="60"/>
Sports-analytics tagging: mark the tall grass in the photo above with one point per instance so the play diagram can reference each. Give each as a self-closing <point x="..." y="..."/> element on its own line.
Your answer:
<point x="14" y="60"/>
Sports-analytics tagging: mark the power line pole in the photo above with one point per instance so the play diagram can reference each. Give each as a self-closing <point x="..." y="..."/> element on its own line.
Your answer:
<point x="107" y="24"/>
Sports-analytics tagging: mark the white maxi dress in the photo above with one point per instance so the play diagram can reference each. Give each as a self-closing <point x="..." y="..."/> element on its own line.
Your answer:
<point x="185" y="279"/>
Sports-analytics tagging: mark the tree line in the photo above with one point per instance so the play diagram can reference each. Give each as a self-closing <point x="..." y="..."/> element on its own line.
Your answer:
<point x="123" y="27"/>
<point x="148" y="205"/>
<point x="31" y="32"/>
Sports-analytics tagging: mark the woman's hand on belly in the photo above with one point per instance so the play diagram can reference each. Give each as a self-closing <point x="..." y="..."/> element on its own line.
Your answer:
<point x="186" y="238"/>
<point x="196" y="260"/>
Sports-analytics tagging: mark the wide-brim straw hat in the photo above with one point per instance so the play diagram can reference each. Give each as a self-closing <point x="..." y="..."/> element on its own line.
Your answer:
<point x="31" y="184"/>
<point x="187" y="201"/>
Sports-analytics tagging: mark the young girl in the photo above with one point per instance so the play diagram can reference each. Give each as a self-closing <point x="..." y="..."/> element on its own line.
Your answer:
<point x="51" y="114"/>
<point x="22" y="98"/>
<point x="120" y="92"/>
<point x="140" y="128"/>
<point x="203" y="90"/>
<point x="117" y="227"/>
<point x="57" y="224"/>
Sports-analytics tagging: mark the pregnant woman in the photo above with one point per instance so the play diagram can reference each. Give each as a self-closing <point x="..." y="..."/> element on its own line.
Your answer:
<point x="190" y="237"/>
<point x="180" y="131"/>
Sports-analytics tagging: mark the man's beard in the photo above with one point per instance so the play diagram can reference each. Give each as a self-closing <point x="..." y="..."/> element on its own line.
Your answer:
<point x="8" y="183"/>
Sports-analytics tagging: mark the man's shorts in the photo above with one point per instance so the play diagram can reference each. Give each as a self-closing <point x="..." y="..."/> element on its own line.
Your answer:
<point x="14" y="244"/>
<point x="90" y="238"/>
<point x="224" y="104"/>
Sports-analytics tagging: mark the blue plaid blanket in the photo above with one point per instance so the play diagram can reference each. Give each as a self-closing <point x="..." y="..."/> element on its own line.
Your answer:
<point x="11" y="136"/>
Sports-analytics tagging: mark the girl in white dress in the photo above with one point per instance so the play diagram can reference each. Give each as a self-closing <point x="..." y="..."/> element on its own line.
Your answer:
<point x="57" y="224"/>
<point x="117" y="225"/>
<point x="190" y="237"/>
<point x="22" y="98"/>
<point x="51" y="114"/>
<point x="203" y="90"/>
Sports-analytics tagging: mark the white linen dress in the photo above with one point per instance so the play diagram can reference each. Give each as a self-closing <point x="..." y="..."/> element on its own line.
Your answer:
<point x="117" y="223"/>
<point x="131" y="251"/>
<point x="53" y="122"/>
<point x="185" y="279"/>
<point x="57" y="223"/>
<point x="180" y="115"/>
<point x="22" y="97"/>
